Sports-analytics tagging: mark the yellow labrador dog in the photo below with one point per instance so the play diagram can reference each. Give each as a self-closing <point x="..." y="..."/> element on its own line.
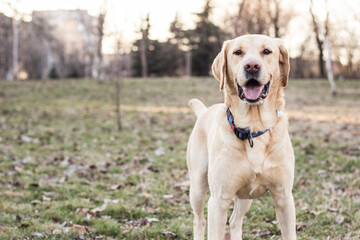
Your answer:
<point x="241" y="149"/>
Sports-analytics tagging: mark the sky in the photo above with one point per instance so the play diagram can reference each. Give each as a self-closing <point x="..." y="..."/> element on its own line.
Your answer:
<point x="124" y="16"/>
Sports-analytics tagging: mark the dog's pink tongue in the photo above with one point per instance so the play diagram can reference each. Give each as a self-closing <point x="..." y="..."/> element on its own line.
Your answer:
<point x="253" y="92"/>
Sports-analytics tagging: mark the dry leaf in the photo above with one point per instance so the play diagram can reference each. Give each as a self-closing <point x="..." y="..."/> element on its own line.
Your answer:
<point x="169" y="234"/>
<point x="45" y="198"/>
<point x="314" y="212"/>
<point x="160" y="152"/>
<point x="37" y="234"/>
<point x="139" y="159"/>
<point x="179" y="185"/>
<point x="168" y="196"/>
<point x="98" y="210"/>
<point x="116" y="186"/>
<point x="146" y="194"/>
<point x="332" y="209"/>
<point x="56" y="232"/>
<point x="339" y="219"/>
<point x="34" y="202"/>
<point x="150" y="220"/>
<point x="78" y="228"/>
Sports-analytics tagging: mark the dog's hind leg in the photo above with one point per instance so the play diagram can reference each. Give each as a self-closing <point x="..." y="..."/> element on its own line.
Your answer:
<point x="198" y="170"/>
<point x="198" y="190"/>
<point x="241" y="206"/>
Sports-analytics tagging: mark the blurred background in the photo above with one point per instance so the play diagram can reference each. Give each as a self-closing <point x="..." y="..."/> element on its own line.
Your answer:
<point x="108" y="38"/>
<point x="94" y="120"/>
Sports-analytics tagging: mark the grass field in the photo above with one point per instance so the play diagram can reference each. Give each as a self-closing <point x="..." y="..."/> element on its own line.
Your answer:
<point x="67" y="173"/>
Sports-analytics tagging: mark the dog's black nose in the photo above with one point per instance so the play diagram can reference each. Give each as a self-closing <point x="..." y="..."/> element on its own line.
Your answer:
<point x="252" y="66"/>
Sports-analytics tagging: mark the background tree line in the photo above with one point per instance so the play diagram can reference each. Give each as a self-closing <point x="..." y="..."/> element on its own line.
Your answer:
<point x="187" y="52"/>
<point x="191" y="52"/>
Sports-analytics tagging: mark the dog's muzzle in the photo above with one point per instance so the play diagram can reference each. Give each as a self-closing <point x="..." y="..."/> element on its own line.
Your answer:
<point x="253" y="91"/>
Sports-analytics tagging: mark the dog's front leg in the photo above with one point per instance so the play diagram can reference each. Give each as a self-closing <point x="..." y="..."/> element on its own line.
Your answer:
<point x="285" y="214"/>
<point x="217" y="215"/>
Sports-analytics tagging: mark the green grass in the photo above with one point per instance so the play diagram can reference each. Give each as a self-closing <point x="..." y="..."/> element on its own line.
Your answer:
<point x="61" y="156"/>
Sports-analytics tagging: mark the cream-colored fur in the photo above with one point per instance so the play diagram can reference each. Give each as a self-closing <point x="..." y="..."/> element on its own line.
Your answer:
<point x="229" y="167"/>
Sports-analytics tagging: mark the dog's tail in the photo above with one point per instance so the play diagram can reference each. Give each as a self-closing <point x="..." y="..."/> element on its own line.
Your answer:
<point x="197" y="106"/>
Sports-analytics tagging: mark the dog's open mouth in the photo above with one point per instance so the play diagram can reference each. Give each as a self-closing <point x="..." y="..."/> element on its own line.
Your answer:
<point x="253" y="91"/>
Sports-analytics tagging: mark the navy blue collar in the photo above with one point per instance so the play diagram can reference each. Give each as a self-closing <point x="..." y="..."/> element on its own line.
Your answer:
<point x="244" y="133"/>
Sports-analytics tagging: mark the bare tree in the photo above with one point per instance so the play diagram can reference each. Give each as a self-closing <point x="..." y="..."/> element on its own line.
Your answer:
<point x="352" y="46"/>
<point x="15" y="49"/>
<point x="279" y="17"/>
<point x="319" y="38"/>
<point x="15" y="38"/>
<point x="322" y="41"/>
<point x="100" y="31"/>
<point x="238" y="17"/>
<point x="144" y="42"/>
<point x="260" y="17"/>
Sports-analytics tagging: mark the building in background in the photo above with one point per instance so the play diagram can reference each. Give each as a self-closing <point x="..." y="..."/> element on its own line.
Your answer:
<point x="76" y="31"/>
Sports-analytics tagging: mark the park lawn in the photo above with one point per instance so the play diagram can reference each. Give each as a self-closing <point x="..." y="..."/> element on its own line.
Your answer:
<point x="67" y="173"/>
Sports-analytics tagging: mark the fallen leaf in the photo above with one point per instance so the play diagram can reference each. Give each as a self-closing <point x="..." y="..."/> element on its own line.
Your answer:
<point x="56" y="232"/>
<point x="29" y="139"/>
<point x="180" y="185"/>
<point x="116" y="186"/>
<point x="339" y="219"/>
<point x="146" y="194"/>
<point x="160" y="151"/>
<point x="35" y="202"/>
<point x="332" y="209"/>
<point x="139" y="159"/>
<point x="150" y="220"/>
<point x="45" y="198"/>
<point x="37" y="234"/>
<point x="78" y="228"/>
<point x="169" y="234"/>
<point x="82" y="211"/>
<point x="19" y="169"/>
<point x="98" y="210"/>
<point x="300" y="226"/>
<point x="168" y="196"/>
<point x="314" y="212"/>
<point x="115" y="201"/>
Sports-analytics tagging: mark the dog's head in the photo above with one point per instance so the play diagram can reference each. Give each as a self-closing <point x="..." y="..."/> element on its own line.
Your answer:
<point x="252" y="67"/>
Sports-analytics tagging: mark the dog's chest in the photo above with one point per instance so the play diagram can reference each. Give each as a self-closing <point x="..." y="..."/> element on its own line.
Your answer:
<point x="255" y="179"/>
<point x="252" y="187"/>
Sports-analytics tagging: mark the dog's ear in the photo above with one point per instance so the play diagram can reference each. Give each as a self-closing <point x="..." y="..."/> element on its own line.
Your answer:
<point x="283" y="63"/>
<point x="219" y="66"/>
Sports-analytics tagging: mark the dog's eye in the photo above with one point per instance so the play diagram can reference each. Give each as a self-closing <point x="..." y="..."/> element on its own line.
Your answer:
<point x="238" y="52"/>
<point x="266" y="51"/>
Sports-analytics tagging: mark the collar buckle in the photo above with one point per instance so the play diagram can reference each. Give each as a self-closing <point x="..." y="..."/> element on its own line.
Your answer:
<point x="251" y="142"/>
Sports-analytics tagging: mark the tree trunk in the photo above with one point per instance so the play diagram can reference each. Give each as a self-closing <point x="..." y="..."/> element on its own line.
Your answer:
<point x="144" y="69"/>
<point x="319" y="31"/>
<point x="15" y="49"/>
<point x="329" y="66"/>
<point x="117" y="100"/>
<point x="188" y="63"/>
<point x="101" y="20"/>
<point x="321" y="59"/>
<point x="238" y="18"/>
